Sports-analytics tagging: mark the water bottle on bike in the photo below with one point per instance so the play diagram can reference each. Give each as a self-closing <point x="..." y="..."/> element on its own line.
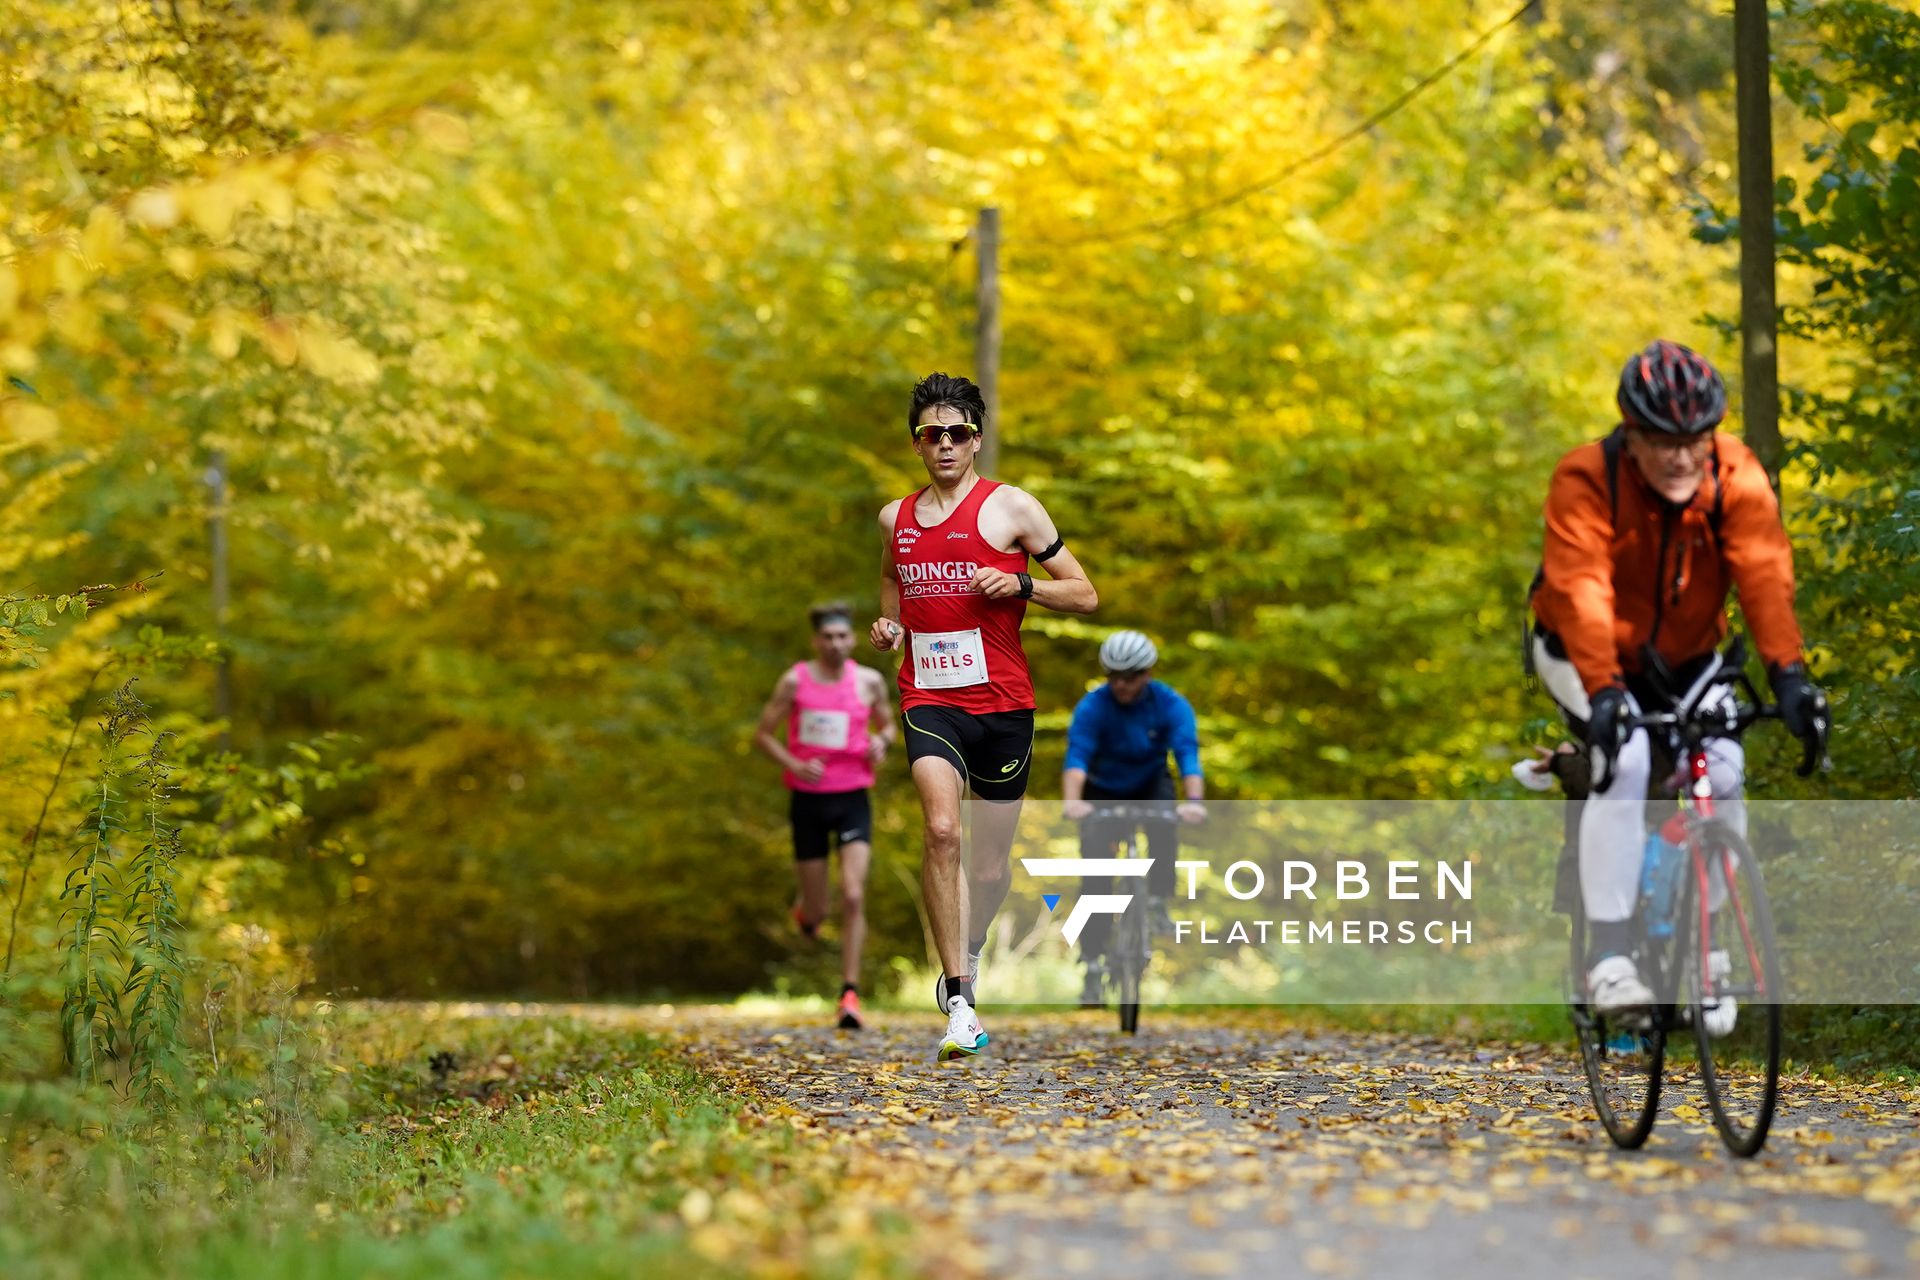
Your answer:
<point x="1665" y="862"/>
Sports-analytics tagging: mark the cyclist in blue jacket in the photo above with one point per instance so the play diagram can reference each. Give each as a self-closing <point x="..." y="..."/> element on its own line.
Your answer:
<point x="1117" y="748"/>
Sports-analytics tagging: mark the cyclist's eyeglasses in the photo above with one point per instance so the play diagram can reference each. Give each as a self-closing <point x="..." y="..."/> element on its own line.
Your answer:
<point x="1661" y="442"/>
<point x="935" y="432"/>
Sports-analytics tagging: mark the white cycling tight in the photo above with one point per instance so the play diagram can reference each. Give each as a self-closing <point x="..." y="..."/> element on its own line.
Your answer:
<point x="1613" y="824"/>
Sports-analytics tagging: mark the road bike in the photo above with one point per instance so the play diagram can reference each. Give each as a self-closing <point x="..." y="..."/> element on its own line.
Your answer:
<point x="1130" y="946"/>
<point x="1704" y="941"/>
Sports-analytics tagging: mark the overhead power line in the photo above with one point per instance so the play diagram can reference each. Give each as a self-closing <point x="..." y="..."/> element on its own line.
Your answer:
<point x="1313" y="157"/>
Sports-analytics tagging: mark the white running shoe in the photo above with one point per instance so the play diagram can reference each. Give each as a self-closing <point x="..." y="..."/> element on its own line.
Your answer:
<point x="965" y="1036"/>
<point x="973" y="981"/>
<point x="1614" y="986"/>
<point x="1718" y="1017"/>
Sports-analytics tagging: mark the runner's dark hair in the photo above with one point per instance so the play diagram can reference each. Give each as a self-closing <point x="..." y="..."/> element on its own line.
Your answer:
<point x="821" y="614"/>
<point x="955" y="393"/>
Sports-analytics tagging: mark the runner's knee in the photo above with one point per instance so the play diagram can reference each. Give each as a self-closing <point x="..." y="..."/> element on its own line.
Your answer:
<point x="943" y="835"/>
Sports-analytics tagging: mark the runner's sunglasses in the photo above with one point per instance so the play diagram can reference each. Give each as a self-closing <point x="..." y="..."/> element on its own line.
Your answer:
<point x="957" y="432"/>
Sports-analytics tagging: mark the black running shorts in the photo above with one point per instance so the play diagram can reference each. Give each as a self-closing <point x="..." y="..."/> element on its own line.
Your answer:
<point x="822" y="819"/>
<point x="991" y="751"/>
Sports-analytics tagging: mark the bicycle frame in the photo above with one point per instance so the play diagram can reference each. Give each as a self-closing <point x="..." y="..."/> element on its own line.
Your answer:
<point x="1697" y="799"/>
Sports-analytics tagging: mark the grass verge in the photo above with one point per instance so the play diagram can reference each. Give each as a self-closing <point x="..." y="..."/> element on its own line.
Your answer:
<point x="449" y="1147"/>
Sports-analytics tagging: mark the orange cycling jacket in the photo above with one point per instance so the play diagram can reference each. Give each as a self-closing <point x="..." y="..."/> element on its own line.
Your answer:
<point x="1614" y="579"/>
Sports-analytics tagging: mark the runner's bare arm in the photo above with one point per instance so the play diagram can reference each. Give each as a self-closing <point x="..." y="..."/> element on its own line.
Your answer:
<point x="768" y="736"/>
<point x="883" y="736"/>
<point x="885" y="634"/>
<point x="1033" y="531"/>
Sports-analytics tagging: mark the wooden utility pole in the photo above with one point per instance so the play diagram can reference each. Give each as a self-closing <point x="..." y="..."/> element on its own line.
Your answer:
<point x="986" y="338"/>
<point x="1758" y="313"/>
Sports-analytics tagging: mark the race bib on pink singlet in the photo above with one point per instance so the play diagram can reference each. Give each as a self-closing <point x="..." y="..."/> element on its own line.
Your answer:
<point x="949" y="659"/>
<point x="827" y="730"/>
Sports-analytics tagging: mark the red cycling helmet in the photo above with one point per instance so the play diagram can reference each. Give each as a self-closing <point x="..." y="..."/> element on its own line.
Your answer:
<point x="1671" y="389"/>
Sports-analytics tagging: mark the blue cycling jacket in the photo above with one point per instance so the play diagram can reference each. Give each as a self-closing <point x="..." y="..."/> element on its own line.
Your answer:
<point x="1122" y="748"/>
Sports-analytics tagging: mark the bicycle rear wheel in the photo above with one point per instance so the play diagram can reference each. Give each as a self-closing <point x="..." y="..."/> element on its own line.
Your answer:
<point x="1622" y="1057"/>
<point x="1731" y="970"/>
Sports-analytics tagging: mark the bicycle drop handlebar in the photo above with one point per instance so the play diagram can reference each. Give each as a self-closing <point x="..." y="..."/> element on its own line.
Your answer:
<point x="1132" y="811"/>
<point x="1726" y="718"/>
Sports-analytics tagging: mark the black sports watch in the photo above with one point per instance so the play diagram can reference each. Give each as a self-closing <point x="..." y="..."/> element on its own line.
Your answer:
<point x="1026" y="585"/>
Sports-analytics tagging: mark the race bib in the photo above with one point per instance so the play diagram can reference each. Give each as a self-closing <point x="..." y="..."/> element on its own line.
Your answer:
<point x="948" y="659"/>
<point x="824" y="729"/>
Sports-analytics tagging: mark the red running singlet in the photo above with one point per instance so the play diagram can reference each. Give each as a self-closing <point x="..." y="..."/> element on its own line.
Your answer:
<point x="962" y="649"/>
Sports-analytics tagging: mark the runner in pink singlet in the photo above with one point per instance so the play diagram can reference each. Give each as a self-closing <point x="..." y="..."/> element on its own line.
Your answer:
<point x="828" y="722"/>
<point x="838" y="724"/>
<point x="954" y="586"/>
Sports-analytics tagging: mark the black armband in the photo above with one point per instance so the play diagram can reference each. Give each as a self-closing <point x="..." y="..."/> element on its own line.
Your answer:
<point x="1026" y="585"/>
<point x="1051" y="551"/>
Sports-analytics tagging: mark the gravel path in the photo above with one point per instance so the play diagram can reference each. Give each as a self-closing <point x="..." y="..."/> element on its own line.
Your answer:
<point x="1235" y="1148"/>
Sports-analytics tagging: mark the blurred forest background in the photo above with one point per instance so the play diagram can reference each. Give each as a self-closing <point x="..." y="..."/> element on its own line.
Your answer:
<point x="426" y="423"/>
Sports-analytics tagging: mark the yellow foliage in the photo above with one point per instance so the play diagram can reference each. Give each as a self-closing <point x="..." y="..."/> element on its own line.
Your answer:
<point x="211" y="207"/>
<point x="336" y="358"/>
<point x="224" y="328"/>
<point x="443" y="131"/>
<point x="634" y="291"/>
<point x="194" y="231"/>
<point x="281" y="340"/>
<point x="155" y="209"/>
<point x="27" y="422"/>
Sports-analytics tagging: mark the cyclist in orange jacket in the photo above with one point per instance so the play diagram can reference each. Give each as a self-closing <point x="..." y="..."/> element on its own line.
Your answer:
<point x="1646" y="533"/>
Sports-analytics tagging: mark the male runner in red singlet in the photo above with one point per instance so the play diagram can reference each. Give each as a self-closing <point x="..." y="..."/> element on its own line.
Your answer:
<point x="828" y="723"/>
<point x="953" y="590"/>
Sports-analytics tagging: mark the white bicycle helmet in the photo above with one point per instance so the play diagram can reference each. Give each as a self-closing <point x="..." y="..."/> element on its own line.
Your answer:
<point x="1125" y="652"/>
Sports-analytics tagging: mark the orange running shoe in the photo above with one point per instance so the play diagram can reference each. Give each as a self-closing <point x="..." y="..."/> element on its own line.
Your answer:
<point x="800" y="922"/>
<point x="850" y="1011"/>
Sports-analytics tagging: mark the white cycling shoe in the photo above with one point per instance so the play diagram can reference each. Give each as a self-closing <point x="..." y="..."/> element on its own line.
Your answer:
<point x="965" y="1036"/>
<point x="1719" y="1016"/>
<point x="1614" y="987"/>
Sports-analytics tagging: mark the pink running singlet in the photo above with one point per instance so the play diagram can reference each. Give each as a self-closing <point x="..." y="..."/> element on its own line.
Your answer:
<point x="829" y="723"/>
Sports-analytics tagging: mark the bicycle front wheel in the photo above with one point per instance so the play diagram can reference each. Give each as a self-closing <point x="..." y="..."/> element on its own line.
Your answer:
<point x="1131" y="945"/>
<point x="1732" y="981"/>
<point x="1622" y="1057"/>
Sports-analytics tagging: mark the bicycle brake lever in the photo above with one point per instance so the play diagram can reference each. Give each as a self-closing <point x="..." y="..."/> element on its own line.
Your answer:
<point x="1808" y="762"/>
<point x="1814" y="758"/>
<point x="1813" y="754"/>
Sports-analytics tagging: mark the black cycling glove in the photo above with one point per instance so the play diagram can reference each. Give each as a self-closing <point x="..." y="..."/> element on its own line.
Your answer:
<point x="1803" y="707"/>
<point x="1606" y="732"/>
